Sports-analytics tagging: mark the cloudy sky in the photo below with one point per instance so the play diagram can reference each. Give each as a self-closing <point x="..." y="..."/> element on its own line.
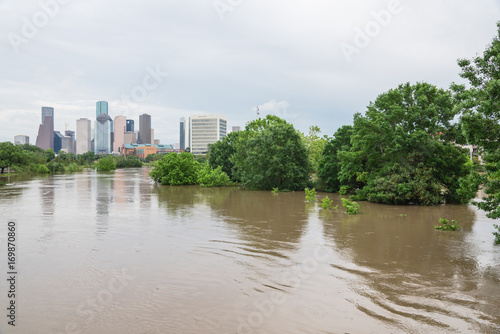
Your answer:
<point x="313" y="62"/>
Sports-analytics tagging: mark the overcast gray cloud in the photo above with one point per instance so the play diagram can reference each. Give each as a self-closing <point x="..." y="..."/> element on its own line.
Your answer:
<point x="226" y="56"/>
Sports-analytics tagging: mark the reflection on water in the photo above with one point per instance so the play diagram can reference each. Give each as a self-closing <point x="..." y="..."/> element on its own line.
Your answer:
<point x="115" y="253"/>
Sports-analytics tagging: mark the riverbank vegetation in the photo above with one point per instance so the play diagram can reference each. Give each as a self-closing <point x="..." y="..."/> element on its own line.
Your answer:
<point x="30" y="159"/>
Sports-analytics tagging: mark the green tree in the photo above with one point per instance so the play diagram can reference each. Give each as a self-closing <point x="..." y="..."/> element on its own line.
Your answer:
<point x="210" y="177"/>
<point x="271" y="155"/>
<point x="329" y="163"/>
<point x="401" y="152"/>
<point x="50" y="155"/>
<point x="480" y="121"/>
<point x="11" y="155"/>
<point x="105" y="164"/>
<point x="176" y="169"/>
<point x="314" y="145"/>
<point x="221" y="153"/>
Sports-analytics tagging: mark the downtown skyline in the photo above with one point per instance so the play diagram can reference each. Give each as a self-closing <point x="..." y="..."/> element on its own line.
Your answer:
<point x="195" y="57"/>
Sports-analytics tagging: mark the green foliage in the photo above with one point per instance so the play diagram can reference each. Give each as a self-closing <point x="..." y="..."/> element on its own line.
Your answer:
<point x="327" y="204"/>
<point x="403" y="151"/>
<point x="497" y="234"/>
<point x="11" y="155"/>
<point x="153" y="157"/>
<point x="50" y="155"/>
<point x="314" y="145"/>
<point x="209" y="177"/>
<point x="106" y="164"/>
<point x="275" y="190"/>
<point x="131" y="161"/>
<point x="56" y="167"/>
<point x="74" y="167"/>
<point x="201" y="158"/>
<point x="351" y="207"/>
<point x="447" y="226"/>
<point x="42" y="169"/>
<point x="270" y="154"/>
<point x="310" y="195"/>
<point x="176" y="169"/>
<point x="480" y="120"/>
<point x="329" y="164"/>
<point x="222" y="152"/>
<point x="86" y="158"/>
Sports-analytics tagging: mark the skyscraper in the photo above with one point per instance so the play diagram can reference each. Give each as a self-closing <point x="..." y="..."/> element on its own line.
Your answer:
<point x="101" y="108"/>
<point x="205" y="130"/>
<point x="45" y="137"/>
<point x="83" y="136"/>
<point x="185" y="133"/>
<point x="144" y="129"/>
<point x="130" y="125"/>
<point x="119" y="130"/>
<point x="58" y="139"/>
<point x="102" y="137"/>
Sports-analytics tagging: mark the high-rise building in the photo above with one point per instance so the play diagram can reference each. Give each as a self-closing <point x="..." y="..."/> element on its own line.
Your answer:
<point x="68" y="142"/>
<point x="45" y="137"/>
<point x="185" y="133"/>
<point x="58" y="139"/>
<point x="130" y="125"/>
<point x="47" y="111"/>
<point x="119" y="127"/>
<point x="21" y="139"/>
<point x="236" y="129"/>
<point x="102" y="136"/>
<point x="144" y="129"/>
<point x="83" y="136"/>
<point x="101" y="108"/>
<point x="130" y="138"/>
<point x="152" y="136"/>
<point x="206" y="130"/>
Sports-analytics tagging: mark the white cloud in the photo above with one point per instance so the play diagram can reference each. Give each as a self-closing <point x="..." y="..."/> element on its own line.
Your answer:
<point x="283" y="52"/>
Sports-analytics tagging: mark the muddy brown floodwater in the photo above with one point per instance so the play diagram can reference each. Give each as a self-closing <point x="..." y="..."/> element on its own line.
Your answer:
<point x="115" y="253"/>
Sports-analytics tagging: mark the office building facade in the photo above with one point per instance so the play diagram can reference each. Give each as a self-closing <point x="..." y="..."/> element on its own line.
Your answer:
<point x="102" y="134"/>
<point x="185" y="133"/>
<point x="119" y="126"/>
<point x="101" y="108"/>
<point x="21" y="140"/>
<point x="83" y="135"/>
<point x="130" y="125"/>
<point x="206" y="130"/>
<point x="144" y="129"/>
<point x="45" y="137"/>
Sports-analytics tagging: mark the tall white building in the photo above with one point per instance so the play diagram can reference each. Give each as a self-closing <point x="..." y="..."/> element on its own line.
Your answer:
<point x="119" y="124"/>
<point x="83" y="136"/>
<point x="206" y="129"/>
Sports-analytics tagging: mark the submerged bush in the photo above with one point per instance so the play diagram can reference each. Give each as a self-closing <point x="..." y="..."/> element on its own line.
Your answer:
<point x="351" y="207"/>
<point x="209" y="177"/>
<point x="447" y="226"/>
<point x="497" y="234"/>
<point x="310" y="195"/>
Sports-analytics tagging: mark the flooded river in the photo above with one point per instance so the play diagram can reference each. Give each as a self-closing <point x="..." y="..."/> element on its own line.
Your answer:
<point x="115" y="253"/>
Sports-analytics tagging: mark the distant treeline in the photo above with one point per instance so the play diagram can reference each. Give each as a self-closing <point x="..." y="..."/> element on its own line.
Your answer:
<point x="30" y="159"/>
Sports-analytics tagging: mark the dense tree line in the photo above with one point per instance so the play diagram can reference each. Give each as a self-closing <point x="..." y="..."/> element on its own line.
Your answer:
<point x="28" y="159"/>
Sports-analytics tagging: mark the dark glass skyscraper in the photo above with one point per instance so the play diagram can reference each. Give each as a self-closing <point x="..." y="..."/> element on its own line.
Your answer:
<point x="130" y="125"/>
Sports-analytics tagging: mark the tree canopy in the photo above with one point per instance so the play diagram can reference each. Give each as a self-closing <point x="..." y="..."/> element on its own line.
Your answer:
<point x="401" y="151"/>
<point x="176" y="169"/>
<point x="480" y="121"/>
